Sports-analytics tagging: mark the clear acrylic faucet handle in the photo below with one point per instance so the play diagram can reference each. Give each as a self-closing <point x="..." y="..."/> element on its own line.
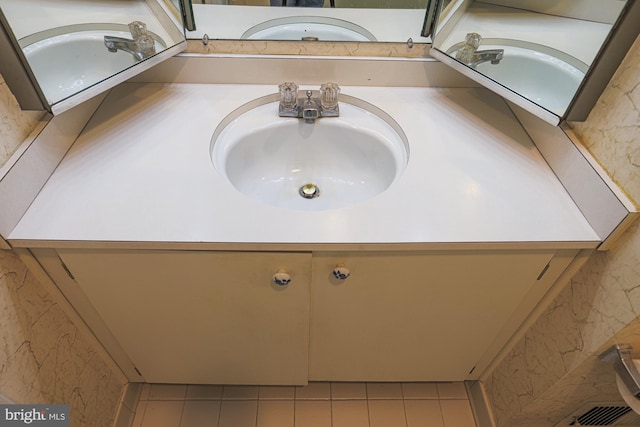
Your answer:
<point x="473" y="40"/>
<point x="288" y="94"/>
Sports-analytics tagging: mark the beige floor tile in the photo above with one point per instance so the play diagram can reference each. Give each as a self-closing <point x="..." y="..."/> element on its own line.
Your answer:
<point x="313" y="413"/>
<point x="146" y="389"/>
<point x="423" y="413"/>
<point x="200" y="413"/>
<point x="132" y="395"/>
<point x="348" y="391"/>
<point x="277" y="393"/>
<point x="167" y="392"/>
<point x="349" y="413"/>
<point x="419" y="390"/>
<point x="238" y="413"/>
<point x="240" y="392"/>
<point x="275" y="413"/>
<point x="139" y="416"/>
<point x="162" y="413"/>
<point x="457" y="413"/>
<point x="314" y="391"/>
<point x="386" y="413"/>
<point x="124" y="418"/>
<point x="384" y="391"/>
<point x="204" y="392"/>
<point x="455" y="390"/>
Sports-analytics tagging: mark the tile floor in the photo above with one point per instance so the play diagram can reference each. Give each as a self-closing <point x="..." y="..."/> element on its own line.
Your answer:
<point x="319" y="404"/>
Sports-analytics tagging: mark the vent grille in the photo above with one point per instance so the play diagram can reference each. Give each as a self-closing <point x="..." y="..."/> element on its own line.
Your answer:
<point x="601" y="416"/>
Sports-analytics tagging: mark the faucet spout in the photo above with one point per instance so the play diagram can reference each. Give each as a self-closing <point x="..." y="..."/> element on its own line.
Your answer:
<point x="490" y="55"/>
<point x="310" y="109"/>
<point x="115" y="44"/>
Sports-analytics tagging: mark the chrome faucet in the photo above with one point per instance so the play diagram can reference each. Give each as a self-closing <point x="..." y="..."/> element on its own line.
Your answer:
<point x="323" y="103"/>
<point x="141" y="46"/>
<point x="469" y="54"/>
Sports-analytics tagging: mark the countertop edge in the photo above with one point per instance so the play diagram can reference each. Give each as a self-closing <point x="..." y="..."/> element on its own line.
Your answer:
<point x="301" y="247"/>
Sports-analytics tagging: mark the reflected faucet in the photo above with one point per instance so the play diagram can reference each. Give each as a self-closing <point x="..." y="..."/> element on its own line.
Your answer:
<point x="142" y="45"/>
<point x="323" y="104"/>
<point x="469" y="54"/>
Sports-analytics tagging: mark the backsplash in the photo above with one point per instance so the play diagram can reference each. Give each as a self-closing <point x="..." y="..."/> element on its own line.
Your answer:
<point x="554" y="369"/>
<point x="266" y="47"/>
<point x="44" y="356"/>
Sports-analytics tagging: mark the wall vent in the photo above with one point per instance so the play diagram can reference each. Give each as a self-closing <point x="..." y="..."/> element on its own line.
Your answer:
<point x="602" y="414"/>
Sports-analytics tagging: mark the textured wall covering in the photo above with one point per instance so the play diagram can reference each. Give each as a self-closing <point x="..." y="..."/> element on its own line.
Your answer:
<point x="554" y="369"/>
<point x="44" y="357"/>
<point x="15" y="124"/>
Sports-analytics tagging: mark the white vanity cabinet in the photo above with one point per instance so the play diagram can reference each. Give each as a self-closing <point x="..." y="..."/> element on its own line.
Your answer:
<point x="414" y="316"/>
<point x="217" y="317"/>
<point x="201" y="317"/>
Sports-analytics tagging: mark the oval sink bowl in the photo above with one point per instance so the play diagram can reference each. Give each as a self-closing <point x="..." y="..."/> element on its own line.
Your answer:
<point x="546" y="76"/>
<point x="308" y="28"/>
<point x="68" y="59"/>
<point x="332" y="163"/>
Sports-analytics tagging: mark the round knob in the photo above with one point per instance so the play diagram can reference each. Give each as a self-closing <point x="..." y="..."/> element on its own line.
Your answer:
<point x="341" y="272"/>
<point x="281" y="278"/>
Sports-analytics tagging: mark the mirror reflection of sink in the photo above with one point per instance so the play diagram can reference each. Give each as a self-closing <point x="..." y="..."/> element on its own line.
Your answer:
<point x="68" y="59"/>
<point x="332" y="163"/>
<point x="546" y="76"/>
<point x="308" y="27"/>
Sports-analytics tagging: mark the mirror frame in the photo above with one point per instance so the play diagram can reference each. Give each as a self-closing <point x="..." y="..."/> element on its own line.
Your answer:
<point x="613" y="50"/>
<point x="24" y="85"/>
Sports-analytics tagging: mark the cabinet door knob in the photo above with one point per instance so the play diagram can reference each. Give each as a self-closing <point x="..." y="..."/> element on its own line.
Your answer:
<point x="281" y="278"/>
<point x="341" y="272"/>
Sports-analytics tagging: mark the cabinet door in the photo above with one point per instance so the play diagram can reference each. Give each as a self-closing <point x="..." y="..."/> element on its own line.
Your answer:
<point x="413" y="316"/>
<point x="202" y="317"/>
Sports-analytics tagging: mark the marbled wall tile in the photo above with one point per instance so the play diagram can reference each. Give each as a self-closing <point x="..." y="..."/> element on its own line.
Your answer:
<point x="611" y="130"/>
<point x="15" y="124"/>
<point x="43" y="358"/>
<point x="554" y="369"/>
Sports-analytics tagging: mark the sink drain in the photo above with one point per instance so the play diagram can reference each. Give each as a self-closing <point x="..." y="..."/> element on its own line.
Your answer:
<point x="309" y="191"/>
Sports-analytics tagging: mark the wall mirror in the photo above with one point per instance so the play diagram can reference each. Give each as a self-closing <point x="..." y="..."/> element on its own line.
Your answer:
<point x="58" y="53"/>
<point x="552" y="58"/>
<point x="324" y="20"/>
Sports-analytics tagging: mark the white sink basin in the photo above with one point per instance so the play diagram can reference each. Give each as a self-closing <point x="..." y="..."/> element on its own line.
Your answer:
<point x="348" y="159"/>
<point x="66" y="60"/>
<point x="546" y="76"/>
<point x="308" y="27"/>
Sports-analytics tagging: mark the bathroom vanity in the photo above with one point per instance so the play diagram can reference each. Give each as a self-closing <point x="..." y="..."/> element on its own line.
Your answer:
<point x="173" y="268"/>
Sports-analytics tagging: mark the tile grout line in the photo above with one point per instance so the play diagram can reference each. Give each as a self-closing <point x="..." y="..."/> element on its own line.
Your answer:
<point x="404" y="407"/>
<point x="331" y="404"/>
<point x="366" y="396"/>
<point x="257" y="407"/>
<point x="441" y="413"/>
<point x="184" y="404"/>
